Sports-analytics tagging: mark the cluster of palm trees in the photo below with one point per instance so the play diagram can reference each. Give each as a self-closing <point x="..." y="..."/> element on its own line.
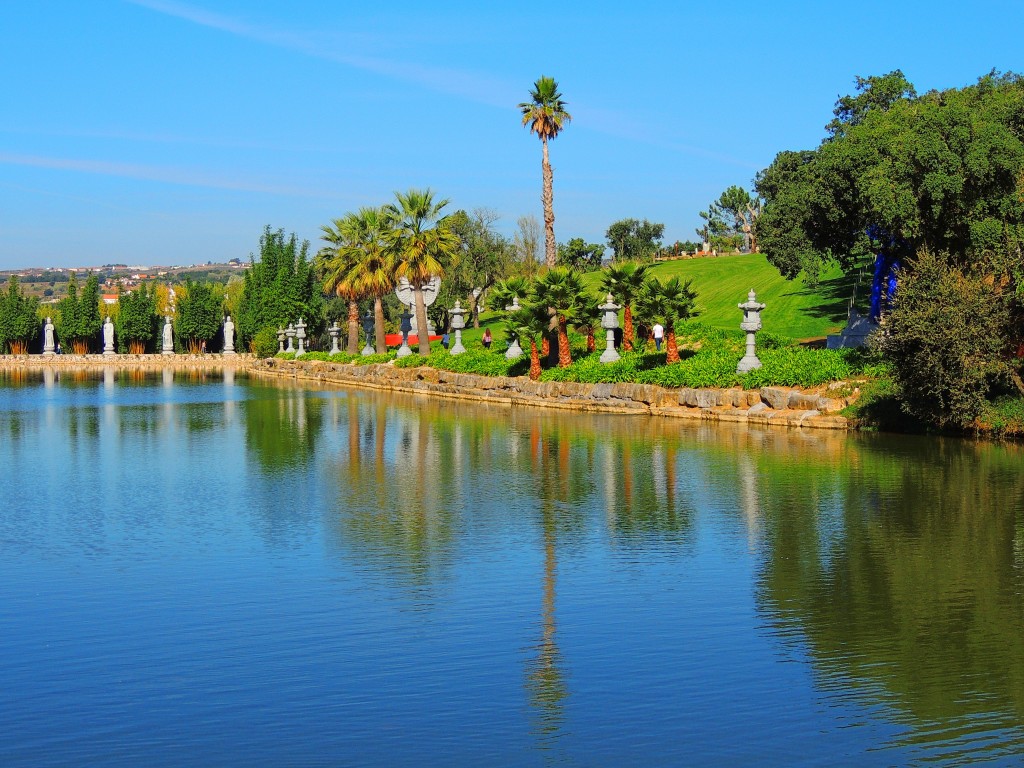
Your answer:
<point x="370" y="250"/>
<point x="557" y="299"/>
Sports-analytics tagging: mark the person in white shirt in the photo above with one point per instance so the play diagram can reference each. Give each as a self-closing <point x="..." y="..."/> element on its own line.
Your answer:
<point x="659" y="333"/>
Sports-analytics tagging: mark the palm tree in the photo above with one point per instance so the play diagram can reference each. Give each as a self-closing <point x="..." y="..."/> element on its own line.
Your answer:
<point x="588" y="320"/>
<point x="373" y="272"/>
<point x="336" y="264"/>
<point x="562" y="291"/>
<point x="420" y="239"/>
<point x="625" y="282"/>
<point x="545" y="114"/>
<point x="526" y="323"/>
<point x="668" y="302"/>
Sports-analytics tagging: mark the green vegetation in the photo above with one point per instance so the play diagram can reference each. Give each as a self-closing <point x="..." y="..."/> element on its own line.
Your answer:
<point x="137" y="320"/>
<point x="19" y="323"/>
<point x="200" y="313"/>
<point x="79" y="316"/>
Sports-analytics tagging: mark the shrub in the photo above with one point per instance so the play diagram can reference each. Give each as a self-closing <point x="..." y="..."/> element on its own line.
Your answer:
<point x="264" y="343"/>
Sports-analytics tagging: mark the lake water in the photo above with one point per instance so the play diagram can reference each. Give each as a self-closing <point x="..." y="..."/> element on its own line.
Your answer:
<point x="209" y="571"/>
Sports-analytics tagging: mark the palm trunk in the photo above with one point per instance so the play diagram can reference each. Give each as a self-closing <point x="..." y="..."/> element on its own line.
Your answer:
<point x="534" y="360"/>
<point x="627" y="328"/>
<point x="353" y="327"/>
<point x="591" y="341"/>
<point x="671" y="349"/>
<point x="378" y="325"/>
<point x="564" y="352"/>
<point x="547" y="198"/>
<point x="545" y="345"/>
<point x="421" y="321"/>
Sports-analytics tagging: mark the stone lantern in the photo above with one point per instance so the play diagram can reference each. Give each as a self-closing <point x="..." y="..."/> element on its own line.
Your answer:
<point x="514" y="350"/>
<point x="335" y="332"/>
<point x="368" y="324"/>
<point x="609" y="321"/>
<point x="406" y="326"/>
<point x="458" y="323"/>
<point x="300" y="337"/>
<point x="751" y="324"/>
<point x="281" y="335"/>
<point x="290" y="334"/>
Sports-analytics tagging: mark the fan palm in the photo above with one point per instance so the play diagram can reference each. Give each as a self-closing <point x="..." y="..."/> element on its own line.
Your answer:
<point x="561" y="290"/>
<point x="336" y="263"/>
<point x="373" y="272"/>
<point x="625" y="282"/>
<point x="588" y="320"/>
<point x="420" y="239"/>
<point x="526" y="323"/>
<point x="668" y="302"/>
<point x="545" y="114"/>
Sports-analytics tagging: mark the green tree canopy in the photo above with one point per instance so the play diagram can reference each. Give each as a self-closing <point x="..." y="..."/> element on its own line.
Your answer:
<point x="19" y="321"/>
<point x="581" y="255"/>
<point x="634" y="240"/>
<point x="200" y="311"/>
<point x="901" y="173"/>
<point x="137" y="319"/>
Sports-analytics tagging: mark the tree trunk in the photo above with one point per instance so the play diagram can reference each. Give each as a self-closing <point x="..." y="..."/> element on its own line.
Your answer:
<point x="534" y="360"/>
<point x="627" y="328"/>
<point x="545" y="345"/>
<point x="591" y="342"/>
<point x="421" y="321"/>
<point x="564" y="352"/>
<point x="353" y="327"/>
<point x="547" y="198"/>
<point x="378" y="325"/>
<point x="671" y="349"/>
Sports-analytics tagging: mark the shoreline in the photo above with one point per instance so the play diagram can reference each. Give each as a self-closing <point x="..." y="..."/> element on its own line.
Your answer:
<point x="786" y="407"/>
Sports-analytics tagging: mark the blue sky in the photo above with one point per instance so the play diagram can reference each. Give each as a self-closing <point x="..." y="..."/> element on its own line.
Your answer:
<point x="165" y="132"/>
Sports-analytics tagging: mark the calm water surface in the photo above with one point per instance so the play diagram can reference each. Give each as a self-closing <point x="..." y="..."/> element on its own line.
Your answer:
<point x="211" y="571"/>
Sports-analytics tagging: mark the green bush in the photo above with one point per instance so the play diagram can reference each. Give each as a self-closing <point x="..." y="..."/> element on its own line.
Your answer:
<point x="264" y="343"/>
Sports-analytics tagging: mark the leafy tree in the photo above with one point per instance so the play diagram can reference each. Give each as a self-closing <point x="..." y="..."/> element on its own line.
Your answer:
<point x="19" y="323"/>
<point x="903" y="173"/>
<point x="546" y="116"/>
<point x="80" y="320"/>
<point x="625" y="283"/>
<point x="421" y="240"/>
<point x="669" y="303"/>
<point x="734" y="213"/>
<point x="200" y="312"/>
<point x="527" y="243"/>
<point x="634" y="240"/>
<point x="581" y="255"/>
<point x="562" y="290"/>
<point x="483" y="258"/>
<point x="137" y="319"/>
<point x="279" y="288"/>
<point x="946" y="339"/>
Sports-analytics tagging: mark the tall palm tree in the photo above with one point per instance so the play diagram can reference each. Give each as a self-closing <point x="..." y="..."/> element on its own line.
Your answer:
<point x="421" y="239"/>
<point x="562" y="291"/>
<point x="373" y="272"/>
<point x="336" y="264"/>
<point x="545" y="114"/>
<point x="668" y="302"/>
<point x="625" y="282"/>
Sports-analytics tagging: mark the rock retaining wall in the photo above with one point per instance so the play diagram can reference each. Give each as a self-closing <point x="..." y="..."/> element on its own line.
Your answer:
<point x="783" y="406"/>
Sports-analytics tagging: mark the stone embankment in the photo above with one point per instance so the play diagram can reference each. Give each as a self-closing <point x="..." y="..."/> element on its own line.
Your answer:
<point x="783" y="406"/>
<point x="122" y="362"/>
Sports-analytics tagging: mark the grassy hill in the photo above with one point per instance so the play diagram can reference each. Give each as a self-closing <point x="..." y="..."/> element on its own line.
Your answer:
<point x="793" y="309"/>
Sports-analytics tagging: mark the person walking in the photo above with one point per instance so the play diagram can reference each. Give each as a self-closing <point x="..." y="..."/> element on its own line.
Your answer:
<point x="658" y="332"/>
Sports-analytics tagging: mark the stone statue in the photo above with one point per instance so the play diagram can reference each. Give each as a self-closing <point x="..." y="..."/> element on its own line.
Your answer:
<point x="229" y="337"/>
<point x="48" y="347"/>
<point x="108" y="337"/>
<point x="168" y="336"/>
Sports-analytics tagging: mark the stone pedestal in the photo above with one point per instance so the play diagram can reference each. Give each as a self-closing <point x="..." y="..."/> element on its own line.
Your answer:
<point x="751" y="324"/>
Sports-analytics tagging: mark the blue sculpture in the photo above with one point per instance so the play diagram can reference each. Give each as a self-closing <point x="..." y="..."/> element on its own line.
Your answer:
<point x="887" y="264"/>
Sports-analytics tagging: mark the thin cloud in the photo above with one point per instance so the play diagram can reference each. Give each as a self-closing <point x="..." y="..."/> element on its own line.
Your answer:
<point x="470" y="86"/>
<point x="150" y="173"/>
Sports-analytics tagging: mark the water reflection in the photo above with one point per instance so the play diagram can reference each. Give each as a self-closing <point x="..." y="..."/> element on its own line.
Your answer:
<point x="891" y="568"/>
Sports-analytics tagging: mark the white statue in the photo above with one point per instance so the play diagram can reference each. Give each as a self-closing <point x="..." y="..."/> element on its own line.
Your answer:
<point x="229" y="336"/>
<point x="108" y="337"/>
<point x="168" y="336"/>
<point x="48" y="347"/>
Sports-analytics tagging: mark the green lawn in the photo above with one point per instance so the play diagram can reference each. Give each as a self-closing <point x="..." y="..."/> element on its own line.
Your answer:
<point x="792" y="309"/>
